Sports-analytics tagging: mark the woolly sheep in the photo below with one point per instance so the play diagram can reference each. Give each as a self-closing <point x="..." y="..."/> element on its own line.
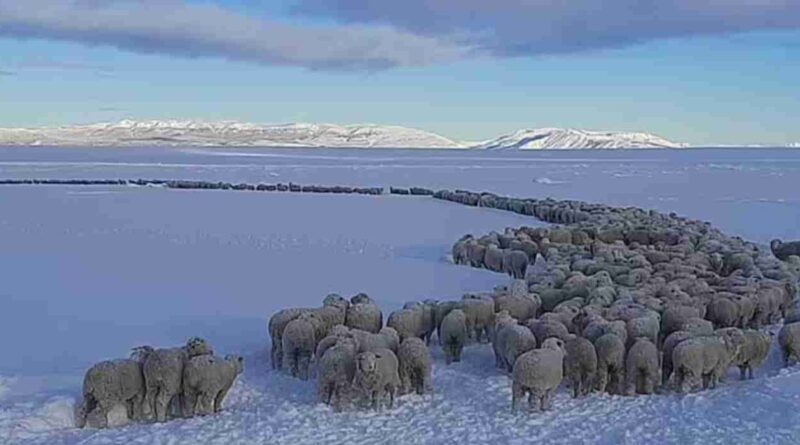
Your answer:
<point x="502" y="320"/>
<point x="440" y="310"/>
<point x="328" y="342"/>
<point x="299" y="344"/>
<point x="163" y="375"/>
<point x="642" y="367"/>
<point x="415" y="366"/>
<point x="206" y="381"/>
<point x="107" y="385"/>
<point x="376" y="376"/>
<point x="647" y="327"/>
<point x="755" y="348"/>
<point x="387" y="338"/>
<point x="674" y="317"/>
<point x="453" y="335"/>
<point x="666" y="349"/>
<point x="277" y="324"/>
<point x="538" y="372"/>
<point x="460" y="252"/>
<point x="515" y="263"/>
<point x="521" y="307"/>
<point x="789" y="342"/>
<point x="702" y="360"/>
<point x="336" y="371"/>
<point x="514" y="341"/>
<point x="783" y="251"/>
<point x="723" y="312"/>
<point x="366" y="316"/>
<point x="476" y="253"/>
<point x="544" y="329"/>
<point x="493" y="258"/>
<point x="698" y="326"/>
<point x="479" y="310"/>
<point x="580" y="365"/>
<point x="610" y="363"/>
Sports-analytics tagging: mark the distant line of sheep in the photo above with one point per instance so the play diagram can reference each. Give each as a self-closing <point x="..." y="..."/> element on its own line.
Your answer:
<point x="157" y="384"/>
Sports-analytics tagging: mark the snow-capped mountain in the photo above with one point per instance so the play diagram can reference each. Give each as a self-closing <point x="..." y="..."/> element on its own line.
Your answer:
<point x="195" y="133"/>
<point x="566" y="138"/>
<point x="192" y="133"/>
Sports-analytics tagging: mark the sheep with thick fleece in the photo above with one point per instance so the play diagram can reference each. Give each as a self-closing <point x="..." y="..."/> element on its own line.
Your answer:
<point x="544" y="329"/>
<point x="336" y="371"/>
<point x="580" y="365"/>
<point x="514" y="341"/>
<point x="106" y="386"/>
<point x="519" y="303"/>
<point x="642" y="367"/>
<point x="703" y="359"/>
<point x="328" y="342"/>
<point x="783" y="250"/>
<point x="440" y="310"/>
<point x="416" y="366"/>
<point x="387" y="338"/>
<point x="364" y="315"/>
<point x="409" y="321"/>
<point x="454" y="334"/>
<point x="755" y="349"/>
<point x="300" y="343"/>
<point x="206" y="382"/>
<point x="610" y="351"/>
<point x="666" y="349"/>
<point x="480" y="311"/>
<point x="277" y="324"/>
<point x="789" y="342"/>
<point x="502" y="320"/>
<point x="538" y="372"/>
<point x="377" y="375"/>
<point x="698" y="326"/>
<point x="647" y="327"/>
<point x="163" y="375"/>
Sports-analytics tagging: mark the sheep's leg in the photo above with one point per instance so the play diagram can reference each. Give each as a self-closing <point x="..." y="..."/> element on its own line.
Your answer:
<point x="162" y="405"/>
<point x="516" y="393"/>
<point x="391" y="391"/>
<point x="150" y="402"/>
<point x="576" y="387"/>
<point x="602" y="378"/>
<point x="750" y="372"/>
<point x="290" y="362"/>
<point x="220" y="398"/>
<point x="546" y="400"/>
<point x="137" y="405"/>
<point x="206" y="402"/>
<point x="303" y="363"/>
<point x="742" y="372"/>
<point x="189" y="402"/>
<point x="277" y="356"/>
<point x="648" y="386"/>
<point x="457" y="354"/>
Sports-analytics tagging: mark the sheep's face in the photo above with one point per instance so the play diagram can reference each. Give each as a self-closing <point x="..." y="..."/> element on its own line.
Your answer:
<point x="238" y="362"/>
<point x="361" y="298"/>
<point x="554" y="343"/>
<point x="775" y="244"/>
<point x="367" y="362"/>
<point x="335" y="300"/>
<point x="197" y="346"/>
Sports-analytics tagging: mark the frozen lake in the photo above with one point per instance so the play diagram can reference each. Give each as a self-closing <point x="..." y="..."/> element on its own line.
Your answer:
<point x="89" y="272"/>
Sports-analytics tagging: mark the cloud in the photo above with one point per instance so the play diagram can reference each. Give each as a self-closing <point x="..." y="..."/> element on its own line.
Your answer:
<point x="185" y="29"/>
<point x="532" y="27"/>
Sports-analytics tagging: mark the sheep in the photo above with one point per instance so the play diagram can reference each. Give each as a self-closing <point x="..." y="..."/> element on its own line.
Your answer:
<point x="476" y="253"/>
<point x="365" y="315"/>
<point x="518" y="303"/>
<point x="206" y="382"/>
<point x="440" y="310"/>
<point x="106" y="386"/>
<point x="674" y="317"/>
<point x="493" y="258"/>
<point x="783" y="251"/>
<point x="387" y="338"/>
<point x="277" y="324"/>
<point x="336" y="371"/>
<point x="610" y="363"/>
<point x="453" y="335"/>
<point x="514" y="341"/>
<point x="789" y="342"/>
<point x="666" y="350"/>
<point x="299" y="344"/>
<point x="698" y="326"/>
<point x="377" y="375"/>
<point x="544" y="329"/>
<point x="647" y="327"/>
<point x="755" y="349"/>
<point x="538" y="372"/>
<point x="515" y="263"/>
<point x="459" y="252"/>
<point x="163" y="374"/>
<point x="705" y="357"/>
<point x="642" y="367"/>
<point x="723" y="312"/>
<point x="415" y="366"/>
<point x="479" y="310"/>
<point x="328" y="342"/>
<point x="502" y="320"/>
<point x="580" y="365"/>
<point x="410" y="321"/>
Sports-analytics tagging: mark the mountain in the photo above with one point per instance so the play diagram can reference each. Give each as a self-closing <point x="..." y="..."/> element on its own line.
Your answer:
<point x="193" y="133"/>
<point x="567" y="138"/>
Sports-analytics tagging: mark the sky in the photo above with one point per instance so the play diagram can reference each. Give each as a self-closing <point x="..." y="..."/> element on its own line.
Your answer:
<point x="696" y="71"/>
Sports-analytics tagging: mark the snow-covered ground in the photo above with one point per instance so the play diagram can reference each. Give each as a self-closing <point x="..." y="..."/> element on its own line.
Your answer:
<point x="86" y="273"/>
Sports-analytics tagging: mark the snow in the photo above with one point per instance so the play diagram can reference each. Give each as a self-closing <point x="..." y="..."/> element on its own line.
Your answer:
<point x="89" y="272"/>
<point x="566" y="138"/>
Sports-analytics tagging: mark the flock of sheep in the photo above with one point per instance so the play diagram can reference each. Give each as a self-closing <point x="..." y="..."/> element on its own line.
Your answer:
<point x="618" y="300"/>
<point x="157" y="384"/>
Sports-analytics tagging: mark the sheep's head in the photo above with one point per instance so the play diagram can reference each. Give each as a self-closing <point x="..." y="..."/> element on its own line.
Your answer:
<point x="140" y="353"/>
<point x="367" y="362"/>
<point x="554" y="343"/>
<point x="335" y="300"/>
<point x="197" y="346"/>
<point x="775" y="244"/>
<point x="361" y="298"/>
<point x="237" y="361"/>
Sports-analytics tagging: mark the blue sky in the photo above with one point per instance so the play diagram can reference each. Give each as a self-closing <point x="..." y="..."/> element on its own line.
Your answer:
<point x="691" y="74"/>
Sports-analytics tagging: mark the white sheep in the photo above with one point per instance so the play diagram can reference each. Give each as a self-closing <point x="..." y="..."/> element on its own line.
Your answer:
<point x="538" y="373"/>
<point x="580" y="365"/>
<point x="336" y="371"/>
<point x="610" y="363"/>
<point x="702" y="360"/>
<point x="364" y="315"/>
<point x="755" y="349"/>
<point x="514" y="341"/>
<point x="789" y="342"/>
<point x="387" y="338"/>
<point x="642" y="367"/>
<point x="299" y="344"/>
<point x="415" y="366"/>
<point x="453" y="335"/>
<point x="377" y="375"/>
<point x="106" y="386"/>
<point x="206" y="382"/>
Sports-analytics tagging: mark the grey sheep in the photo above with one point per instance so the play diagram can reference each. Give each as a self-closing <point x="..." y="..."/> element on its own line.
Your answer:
<point x="674" y="317"/>
<point x="453" y="335"/>
<point x="580" y="365"/>
<point x="493" y="258"/>
<point x="642" y="367"/>
<point x="335" y="373"/>
<point x="106" y="386"/>
<point x="416" y="366"/>
<point x="377" y="375"/>
<point x="666" y="349"/>
<point x="163" y="375"/>
<point x="366" y="316"/>
<point x="277" y="324"/>
<point x="479" y="310"/>
<point x="512" y="342"/>
<point x="755" y="349"/>
<point x="328" y="342"/>
<point x="476" y="253"/>
<point x="610" y="363"/>
<point x="544" y="329"/>
<point x="410" y="321"/>
<point x="299" y="344"/>
<point x="723" y="312"/>
<point x="783" y="251"/>
<point x="460" y="252"/>
<point x="698" y="326"/>
<point x="502" y="320"/>
<point x="789" y="342"/>
<point x="206" y="382"/>
<point x="361" y="298"/>
<point x="538" y="372"/>
<point x="647" y="327"/>
<point x="440" y="310"/>
<point x="702" y="360"/>
<point x="515" y="263"/>
<point x="387" y="338"/>
<point x="522" y="307"/>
